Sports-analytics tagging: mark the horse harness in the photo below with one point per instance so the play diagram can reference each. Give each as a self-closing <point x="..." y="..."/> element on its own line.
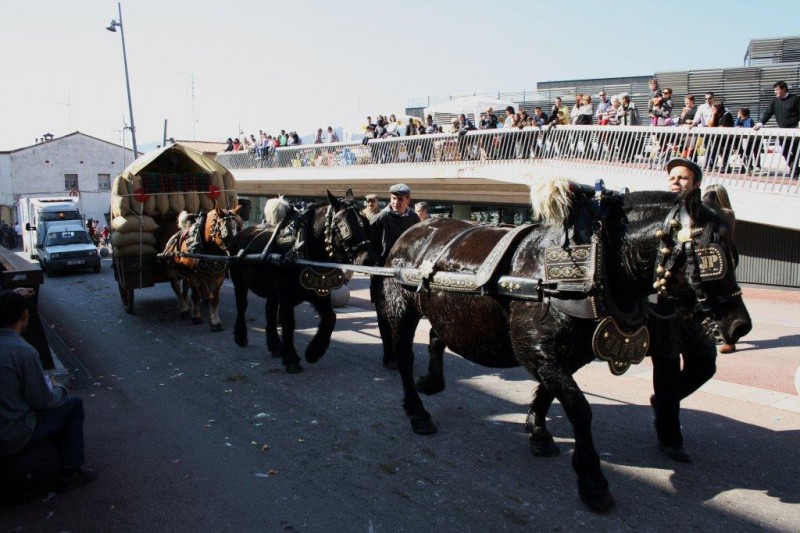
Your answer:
<point x="290" y="237"/>
<point x="192" y="239"/>
<point x="704" y="262"/>
<point x="574" y="279"/>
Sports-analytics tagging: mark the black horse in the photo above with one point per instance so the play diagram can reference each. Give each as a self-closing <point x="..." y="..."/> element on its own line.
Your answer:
<point x="329" y="232"/>
<point x="497" y="330"/>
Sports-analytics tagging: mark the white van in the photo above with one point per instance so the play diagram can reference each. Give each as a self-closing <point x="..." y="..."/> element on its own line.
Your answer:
<point x="67" y="246"/>
<point x="36" y="213"/>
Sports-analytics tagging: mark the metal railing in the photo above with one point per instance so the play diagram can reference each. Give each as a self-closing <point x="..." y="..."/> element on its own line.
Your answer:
<point x="743" y="157"/>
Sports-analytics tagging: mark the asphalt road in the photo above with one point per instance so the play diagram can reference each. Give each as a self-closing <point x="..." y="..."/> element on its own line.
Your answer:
<point x="190" y="432"/>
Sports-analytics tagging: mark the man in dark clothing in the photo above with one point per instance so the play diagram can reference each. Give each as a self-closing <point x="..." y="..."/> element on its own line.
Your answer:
<point x="671" y="340"/>
<point x="384" y="230"/>
<point x="32" y="408"/>
<point x="786" y="109"/>
<point x="465" y="126"/>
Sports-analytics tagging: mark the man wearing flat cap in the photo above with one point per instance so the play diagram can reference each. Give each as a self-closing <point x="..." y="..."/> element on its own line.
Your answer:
<point x="676" y="338"/>
<point x="384" y="230"/>
<point x="372" y="208"/>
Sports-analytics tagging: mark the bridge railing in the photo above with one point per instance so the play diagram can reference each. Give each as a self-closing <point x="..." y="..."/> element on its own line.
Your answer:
<point x="765" y="159"/>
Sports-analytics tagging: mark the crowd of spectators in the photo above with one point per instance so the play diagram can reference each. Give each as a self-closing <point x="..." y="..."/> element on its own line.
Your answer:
<point x="606" y="110"/>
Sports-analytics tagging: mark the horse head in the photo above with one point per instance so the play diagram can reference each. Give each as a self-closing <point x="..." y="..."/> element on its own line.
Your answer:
<point x="697" y="264"/>
<point x="222" y="226"/>
<point x="347" y="232"/>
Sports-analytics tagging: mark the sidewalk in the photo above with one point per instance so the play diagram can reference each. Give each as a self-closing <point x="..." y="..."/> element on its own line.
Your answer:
<point x="765" y="369"/>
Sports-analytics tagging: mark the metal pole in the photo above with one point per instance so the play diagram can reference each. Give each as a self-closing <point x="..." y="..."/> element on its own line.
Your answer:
<point x="127" y="82"/>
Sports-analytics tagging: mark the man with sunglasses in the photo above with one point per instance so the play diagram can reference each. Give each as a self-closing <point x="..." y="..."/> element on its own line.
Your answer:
<point x="704" y="111"/>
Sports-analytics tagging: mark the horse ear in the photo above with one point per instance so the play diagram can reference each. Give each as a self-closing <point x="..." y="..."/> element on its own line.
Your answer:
<point x="333" y="200"/>
<point x="237" y="209"/>
<point x="349" y="195"/>
<point x="694" y="204"/>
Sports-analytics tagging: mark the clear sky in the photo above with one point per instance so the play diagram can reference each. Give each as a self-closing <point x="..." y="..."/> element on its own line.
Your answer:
<point x="302" y="64"/>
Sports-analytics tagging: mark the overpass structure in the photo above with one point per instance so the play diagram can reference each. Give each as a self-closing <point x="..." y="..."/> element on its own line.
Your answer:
<point x="498" y="167"/>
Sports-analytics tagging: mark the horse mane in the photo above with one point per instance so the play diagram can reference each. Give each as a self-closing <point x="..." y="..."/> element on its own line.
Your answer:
<point x="186" y="219"/>
<point x="551" y="199"/>
<point x="276" y="209"/>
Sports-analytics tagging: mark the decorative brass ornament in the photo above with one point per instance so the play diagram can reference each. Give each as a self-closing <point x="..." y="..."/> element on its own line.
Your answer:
<point x="321" y="282"/>
<point x="619" y="348"/>
<point x="685" y="235"/>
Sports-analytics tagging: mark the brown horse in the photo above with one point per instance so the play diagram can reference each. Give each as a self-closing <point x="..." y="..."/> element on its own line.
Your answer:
<point x="204" y="233"/>
<point x="497" y="328"/>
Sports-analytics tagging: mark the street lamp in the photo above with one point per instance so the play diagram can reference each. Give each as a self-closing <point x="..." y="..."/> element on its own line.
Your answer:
<point x="112" y="27"/>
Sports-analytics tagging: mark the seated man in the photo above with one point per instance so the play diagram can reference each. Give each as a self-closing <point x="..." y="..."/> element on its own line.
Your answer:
<point x="32" y="408"/>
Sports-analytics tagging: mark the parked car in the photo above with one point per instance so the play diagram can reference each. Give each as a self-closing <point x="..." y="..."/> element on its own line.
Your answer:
<point x="67" y="246"/>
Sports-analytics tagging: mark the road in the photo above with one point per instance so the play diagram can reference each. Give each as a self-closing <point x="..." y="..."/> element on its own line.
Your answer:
<point x="190" y="432"/>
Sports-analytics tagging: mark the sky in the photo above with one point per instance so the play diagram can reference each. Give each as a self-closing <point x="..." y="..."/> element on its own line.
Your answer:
<point x="215" y="69"/>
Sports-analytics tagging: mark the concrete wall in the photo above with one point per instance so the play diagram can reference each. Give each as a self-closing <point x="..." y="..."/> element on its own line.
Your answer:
<point x="39" y="171"/>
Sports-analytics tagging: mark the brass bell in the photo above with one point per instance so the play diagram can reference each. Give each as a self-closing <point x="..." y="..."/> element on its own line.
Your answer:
<point x="667" y="274"/>
<point x="660" y="234"/>
<point x="662" y="282"/>
<point x="661" y="270"/>
<point x="675" y="224"/>
<point x="656" y="285"/>
<point x="666" y="250"/>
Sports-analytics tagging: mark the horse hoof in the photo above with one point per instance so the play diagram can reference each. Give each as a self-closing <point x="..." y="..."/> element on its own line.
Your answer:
<point x="429" y="386"/>
<point x="390" y="364"/>
<point x="598" y="502"/>
<point x="423" y="426"/>
<point x="216" y="327"/>
<point x="293" y="368"/>
<point x="240" y="340"/>
<point x="544" y="447"/>
<point x="197" y="320"/>
<point x="184" y="314"/>
<point x="313" y="357"/>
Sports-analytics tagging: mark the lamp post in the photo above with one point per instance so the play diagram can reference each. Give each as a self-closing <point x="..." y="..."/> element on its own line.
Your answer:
<point x="112" y="27"/>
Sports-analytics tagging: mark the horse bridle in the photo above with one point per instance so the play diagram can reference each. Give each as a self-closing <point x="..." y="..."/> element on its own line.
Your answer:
<point x="220" y="229"/>
<point x="704" y="262"/>
<point x="336" y="223"/>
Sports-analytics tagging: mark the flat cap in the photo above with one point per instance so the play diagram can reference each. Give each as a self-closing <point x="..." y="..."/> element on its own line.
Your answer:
<point x="400" y="189"/>
<point x="688" y="163"/>
<point x="371" y="197"/>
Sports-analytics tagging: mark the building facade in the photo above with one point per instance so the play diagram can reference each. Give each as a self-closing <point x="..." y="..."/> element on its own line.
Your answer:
<point x="75" y="164"/>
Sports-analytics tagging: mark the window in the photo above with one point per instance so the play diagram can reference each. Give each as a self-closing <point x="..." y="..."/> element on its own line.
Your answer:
<point x="70" y="182"/>
<point x="104" y="181"/>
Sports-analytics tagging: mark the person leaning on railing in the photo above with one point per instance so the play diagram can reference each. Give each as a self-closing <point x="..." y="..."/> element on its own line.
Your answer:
<point x="748" y="156"/>
<point x="720" y="118"/>
<point x="785" y="108"/>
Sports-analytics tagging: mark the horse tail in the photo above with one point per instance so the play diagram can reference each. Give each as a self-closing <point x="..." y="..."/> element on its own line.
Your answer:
<point x="275" y="210"/>
<point x="551" y="200"/>
<point x="184" y="220"/>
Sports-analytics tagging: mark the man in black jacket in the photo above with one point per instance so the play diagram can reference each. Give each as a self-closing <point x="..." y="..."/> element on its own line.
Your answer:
<point x="786" y="109"/>
<point x="679" y="338"/>
<point x="384" y="230"/>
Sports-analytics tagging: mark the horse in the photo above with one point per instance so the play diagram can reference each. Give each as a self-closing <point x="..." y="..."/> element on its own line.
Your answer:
<point x="493" y="329"/>
<point x="334" y="231"/>
<point x="204" y="233"/>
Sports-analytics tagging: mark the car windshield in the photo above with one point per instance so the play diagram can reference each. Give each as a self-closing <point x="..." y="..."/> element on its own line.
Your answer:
<point x="63" y="238"/>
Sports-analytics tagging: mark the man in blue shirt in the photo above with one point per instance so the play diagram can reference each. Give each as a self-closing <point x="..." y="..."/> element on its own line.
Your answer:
<point x="32" y="408"/>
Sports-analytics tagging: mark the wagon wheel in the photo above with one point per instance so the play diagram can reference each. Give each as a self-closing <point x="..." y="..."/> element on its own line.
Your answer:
<point x="126" y="295"/>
